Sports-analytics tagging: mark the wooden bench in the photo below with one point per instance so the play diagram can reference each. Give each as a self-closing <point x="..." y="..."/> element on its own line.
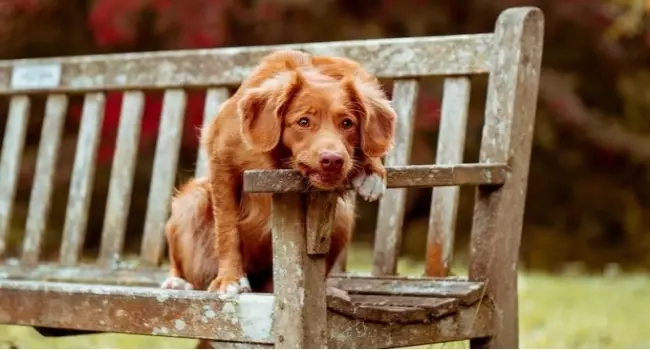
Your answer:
<point x="379" y="311"/>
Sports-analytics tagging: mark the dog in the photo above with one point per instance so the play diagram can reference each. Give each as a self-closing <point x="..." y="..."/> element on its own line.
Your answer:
<point x="324" y="116"/>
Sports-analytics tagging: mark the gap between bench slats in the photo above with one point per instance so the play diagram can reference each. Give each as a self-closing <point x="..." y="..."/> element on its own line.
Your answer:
<point x="40" y="198"/>
<point x="391" y="207"/>
<point x="164" y="175"/>
<point x="12" y="151"/>
<point x="444" y="200"/>
<point x="121" y="181"/>
<point x="81" y="184"/>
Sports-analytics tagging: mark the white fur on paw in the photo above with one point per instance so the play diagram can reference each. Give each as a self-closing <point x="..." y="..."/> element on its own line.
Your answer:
<point x="370" y="187"/>
<point x="243" y="286"/>
<point x="176" y="283"/>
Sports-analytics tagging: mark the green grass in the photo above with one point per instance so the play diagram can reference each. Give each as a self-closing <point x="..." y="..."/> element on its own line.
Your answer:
<point x="569" y="311"/>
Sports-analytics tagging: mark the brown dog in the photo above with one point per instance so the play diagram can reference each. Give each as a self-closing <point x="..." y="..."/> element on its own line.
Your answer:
<point x="326" y="117"/>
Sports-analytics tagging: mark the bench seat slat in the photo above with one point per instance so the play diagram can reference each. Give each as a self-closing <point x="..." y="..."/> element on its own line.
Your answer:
<point x="467" y="292"/>
<point x="41" y="194"/>
<point x="164" y="175"/>
<point x="444" y="200"/>
<point x="422" y="176"/>
<point x="81" y="184"/>
<point x="12" y="151"/>
<point x="121" y="182"/>
<point x="152" y="311"/>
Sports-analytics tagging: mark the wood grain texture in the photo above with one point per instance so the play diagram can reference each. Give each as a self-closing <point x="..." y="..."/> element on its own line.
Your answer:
<point x="163" y="175"/>
<point x="444" y="200"/>
<point x="507" y="137"/>
<point x="321" y="207"/>
<point x="386" y="58"/>
<point x="81" y="183"/>
<point x="298" y="279"/>
<point x="13" y="144"/>
<point x="41" y="196"/>
<point x="388" y="235"/>
<point x="417" y="176"/>
<point x="121" y="182"/>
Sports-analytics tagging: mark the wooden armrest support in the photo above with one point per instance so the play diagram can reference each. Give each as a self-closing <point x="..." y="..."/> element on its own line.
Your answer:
<point x="286" y="180"/>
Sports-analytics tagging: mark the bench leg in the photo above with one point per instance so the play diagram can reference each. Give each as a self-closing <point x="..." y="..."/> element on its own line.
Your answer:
<point x="507" y="138"/>
<point x="298" y="279"/>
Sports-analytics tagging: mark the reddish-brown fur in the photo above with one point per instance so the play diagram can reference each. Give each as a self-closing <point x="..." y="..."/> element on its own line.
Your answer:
<point x="349" y="126"/>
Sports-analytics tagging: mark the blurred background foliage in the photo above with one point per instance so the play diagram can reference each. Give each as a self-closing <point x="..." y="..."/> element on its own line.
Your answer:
<point x="588" y="202"/>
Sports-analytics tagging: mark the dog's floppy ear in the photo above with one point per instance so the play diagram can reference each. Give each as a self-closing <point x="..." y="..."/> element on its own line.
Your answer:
<point x="262" y="109"/>
<point x="376" y="115"/>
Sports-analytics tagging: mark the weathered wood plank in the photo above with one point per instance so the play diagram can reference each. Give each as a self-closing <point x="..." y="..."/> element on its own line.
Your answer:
<point x="436" y="307"/>
<point x="465" y="291"/>
<point x="286" y="181"/>
<point x="197" y="314"/>
<point x="475" y="321"/>
<point x="84" y="273"/>
<point x="321" y="207"/>
<point x="214" y="98"/>
<point x="121" y="182"/>
<point x="507" y="137"/>
<point x="81" y="184"/>
<point x="444" y="200"/>
<point x="392" y="309"/>
<point x="12" y="151"/>
<point x="163" y="176"/>
<point x="388" y="235"/>
<point x="386" y="58"/>
<point x="41" y="195"/>
<point x="152" y="311"/>
<point x="298" y="279"/>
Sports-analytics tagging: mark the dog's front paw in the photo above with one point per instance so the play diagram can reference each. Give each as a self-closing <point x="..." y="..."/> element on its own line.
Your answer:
<point x="230" y="285"/>
<point x="369" y="186"/>
<point x="176" y="283"/>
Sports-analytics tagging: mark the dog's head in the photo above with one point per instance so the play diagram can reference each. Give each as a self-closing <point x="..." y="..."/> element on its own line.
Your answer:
<point x="320" y="119"/>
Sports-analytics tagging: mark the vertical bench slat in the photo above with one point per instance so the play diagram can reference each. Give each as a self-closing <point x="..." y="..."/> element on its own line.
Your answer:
<point x="121" y="182"/>
<point x="12" y="151"/>
<point x="214" y="98"/>
<point x="81" y="184"/>
<point x="391" y="207"/>
<point x="444" y="200"/>
<point x="164" y="175"/>
<point x="40" y="197"/>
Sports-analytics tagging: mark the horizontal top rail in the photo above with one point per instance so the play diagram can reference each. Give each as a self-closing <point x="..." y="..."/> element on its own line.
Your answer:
<point x="288" y="180"/>
<point x="385" y="58"/>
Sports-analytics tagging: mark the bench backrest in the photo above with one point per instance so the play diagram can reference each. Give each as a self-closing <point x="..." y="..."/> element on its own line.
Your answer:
<point x="511" y="55"/>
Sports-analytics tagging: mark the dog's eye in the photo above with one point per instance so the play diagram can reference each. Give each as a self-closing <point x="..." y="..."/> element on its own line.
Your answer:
<point x="347" y="123"/>
<point x="304" y="122"/>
